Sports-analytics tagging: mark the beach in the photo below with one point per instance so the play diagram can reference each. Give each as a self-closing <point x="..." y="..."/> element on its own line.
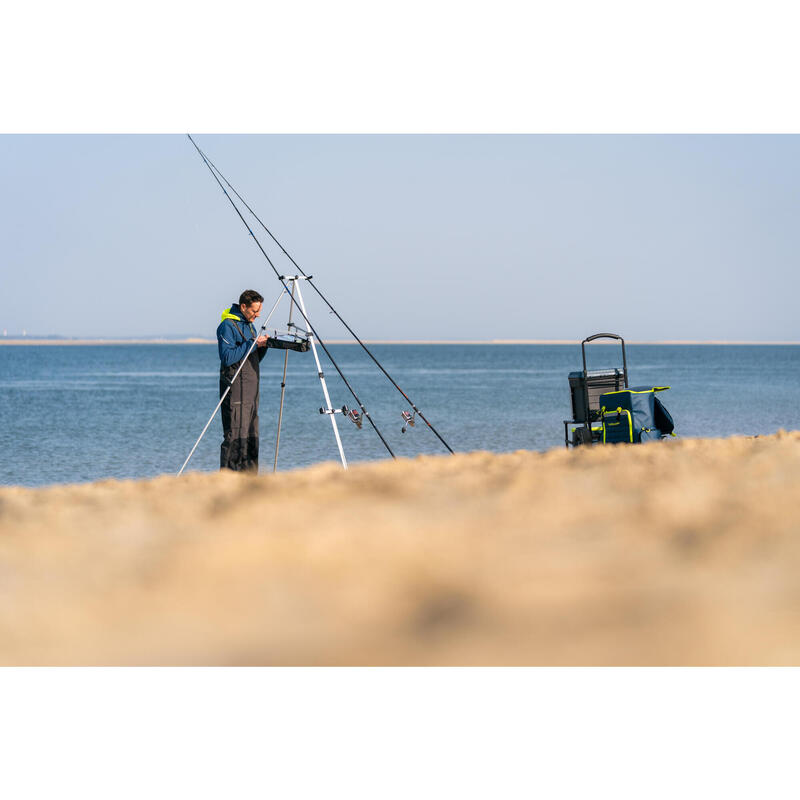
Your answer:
<point x="682" y="552"/>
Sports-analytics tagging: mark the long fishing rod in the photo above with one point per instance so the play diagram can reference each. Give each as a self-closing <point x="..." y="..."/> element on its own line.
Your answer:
<point x="325" y="300"/>
<point x="286" y="288"/>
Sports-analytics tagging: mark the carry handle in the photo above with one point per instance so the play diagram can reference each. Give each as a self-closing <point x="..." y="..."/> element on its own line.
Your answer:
<point x="606" y="336"/>
<point x="602" y="336"/>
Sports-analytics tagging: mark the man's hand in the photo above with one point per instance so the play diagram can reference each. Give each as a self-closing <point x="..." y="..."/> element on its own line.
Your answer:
<point x="261" y="341"/>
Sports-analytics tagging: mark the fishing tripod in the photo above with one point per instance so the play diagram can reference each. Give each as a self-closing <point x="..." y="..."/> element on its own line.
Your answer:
<point x="299" y="334"/>
<point x="357" y="415"/>
<point x="294" y="281"/>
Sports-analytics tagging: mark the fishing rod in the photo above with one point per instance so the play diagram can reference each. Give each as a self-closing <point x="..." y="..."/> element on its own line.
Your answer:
<point x="282" y="279"/>
<point x="327" y="303"/>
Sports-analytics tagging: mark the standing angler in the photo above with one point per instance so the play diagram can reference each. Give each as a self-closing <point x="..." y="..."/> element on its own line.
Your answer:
<point x="235" y="335"/>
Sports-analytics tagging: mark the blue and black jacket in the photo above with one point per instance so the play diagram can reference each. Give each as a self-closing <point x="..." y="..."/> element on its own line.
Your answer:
<point x="234" y="337"/>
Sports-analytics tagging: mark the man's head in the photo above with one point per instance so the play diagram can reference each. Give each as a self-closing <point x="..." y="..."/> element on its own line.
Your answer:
<point x="250" y="304"/>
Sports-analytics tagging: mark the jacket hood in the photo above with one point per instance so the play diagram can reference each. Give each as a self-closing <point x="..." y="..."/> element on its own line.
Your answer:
<point x="234" y="313"/>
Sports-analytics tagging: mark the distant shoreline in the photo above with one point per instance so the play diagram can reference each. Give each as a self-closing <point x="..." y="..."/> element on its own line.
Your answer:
<point x="84" y="342"/>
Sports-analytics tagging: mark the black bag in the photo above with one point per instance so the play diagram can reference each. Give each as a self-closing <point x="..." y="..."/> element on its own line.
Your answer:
<point x="663" y="418"/>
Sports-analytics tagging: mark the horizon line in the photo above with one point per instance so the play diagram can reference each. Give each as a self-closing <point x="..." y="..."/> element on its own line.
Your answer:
<point x="199" y="340"/>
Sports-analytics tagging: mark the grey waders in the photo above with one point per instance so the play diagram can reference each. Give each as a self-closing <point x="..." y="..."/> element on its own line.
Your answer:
<point x="239" y="450"/>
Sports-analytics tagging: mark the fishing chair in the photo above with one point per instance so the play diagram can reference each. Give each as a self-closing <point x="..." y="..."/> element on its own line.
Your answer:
<point x="634" y="415"/>
<point x="586" y="389"/>
<point x="608" y="411"/>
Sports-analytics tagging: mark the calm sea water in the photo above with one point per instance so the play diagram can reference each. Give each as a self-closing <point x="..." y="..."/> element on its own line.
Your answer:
<point x="82" y="413"/>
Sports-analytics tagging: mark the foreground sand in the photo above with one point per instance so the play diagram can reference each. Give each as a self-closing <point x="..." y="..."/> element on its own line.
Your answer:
<point x="686" y="552"/>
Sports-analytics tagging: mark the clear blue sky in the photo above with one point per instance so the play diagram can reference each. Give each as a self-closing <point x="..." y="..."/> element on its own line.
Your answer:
<point x="411" y="237"/>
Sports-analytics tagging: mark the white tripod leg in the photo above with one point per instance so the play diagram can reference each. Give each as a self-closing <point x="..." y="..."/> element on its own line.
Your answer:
<point x="328" y="406"/>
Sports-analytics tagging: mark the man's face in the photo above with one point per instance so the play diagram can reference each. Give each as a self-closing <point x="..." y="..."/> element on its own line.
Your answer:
<point x="251" y="312"/>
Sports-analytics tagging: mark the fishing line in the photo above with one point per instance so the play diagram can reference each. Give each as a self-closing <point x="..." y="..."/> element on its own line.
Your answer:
<point x="286" y="288"/>
<point x="324" y="299"/>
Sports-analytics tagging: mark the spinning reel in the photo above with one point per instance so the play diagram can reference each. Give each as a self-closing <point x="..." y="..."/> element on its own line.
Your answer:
<point x="350" y="413"/>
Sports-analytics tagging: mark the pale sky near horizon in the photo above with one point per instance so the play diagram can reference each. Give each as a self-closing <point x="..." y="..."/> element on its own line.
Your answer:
<point x="415" y="237"/>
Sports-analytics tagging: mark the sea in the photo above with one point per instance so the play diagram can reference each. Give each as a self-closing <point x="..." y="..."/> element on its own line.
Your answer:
<point x="76" y="413"/>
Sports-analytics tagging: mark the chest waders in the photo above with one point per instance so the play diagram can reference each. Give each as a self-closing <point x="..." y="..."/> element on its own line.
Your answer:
<point x="239" y="449"/>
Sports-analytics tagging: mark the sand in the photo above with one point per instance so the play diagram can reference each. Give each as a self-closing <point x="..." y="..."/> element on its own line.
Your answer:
<point x="684" y="552"/>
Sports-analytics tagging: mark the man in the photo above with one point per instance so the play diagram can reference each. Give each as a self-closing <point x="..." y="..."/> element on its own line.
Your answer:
<point x="235" y="336"/>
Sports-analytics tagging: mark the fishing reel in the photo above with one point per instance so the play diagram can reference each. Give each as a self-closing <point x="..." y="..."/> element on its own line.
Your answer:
<point x="409" y="420"/>
<point x="350" y="413"/>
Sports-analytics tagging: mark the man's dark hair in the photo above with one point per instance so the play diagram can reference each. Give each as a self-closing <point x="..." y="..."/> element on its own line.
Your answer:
<point x="250" y="296"/>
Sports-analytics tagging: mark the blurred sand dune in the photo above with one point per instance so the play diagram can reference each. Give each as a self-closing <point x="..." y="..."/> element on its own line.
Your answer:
<point x="686" y="552"/>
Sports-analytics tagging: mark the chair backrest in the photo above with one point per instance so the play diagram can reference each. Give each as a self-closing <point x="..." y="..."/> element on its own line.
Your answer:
<point x="586" y="391"/>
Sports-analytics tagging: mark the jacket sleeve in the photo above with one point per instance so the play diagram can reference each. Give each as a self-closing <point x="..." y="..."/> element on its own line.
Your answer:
<point x="231" y="348"/>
